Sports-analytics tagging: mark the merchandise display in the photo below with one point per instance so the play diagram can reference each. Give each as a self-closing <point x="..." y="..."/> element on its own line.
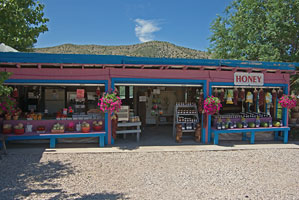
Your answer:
<point x="186" y="120"/>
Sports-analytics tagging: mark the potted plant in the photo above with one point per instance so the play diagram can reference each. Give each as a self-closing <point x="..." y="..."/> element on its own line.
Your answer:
<point x="288" y="101"/>
<point x="97" y="126"/>
<point x="7" y="128"/>
<point x="19" y="129"/>
<point x="57" y="128"/>
<point x="110" y="102"/>
<point x="85" y="127"/>
<point x="7" y="106"/>
<point x="212" y="105"/>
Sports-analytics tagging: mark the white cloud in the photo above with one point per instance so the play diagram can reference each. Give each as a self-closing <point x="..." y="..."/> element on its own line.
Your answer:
<point x="145" y="28"/>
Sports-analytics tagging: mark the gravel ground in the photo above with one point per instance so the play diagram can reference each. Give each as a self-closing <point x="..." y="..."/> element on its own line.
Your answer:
<point x="243" y="174"/>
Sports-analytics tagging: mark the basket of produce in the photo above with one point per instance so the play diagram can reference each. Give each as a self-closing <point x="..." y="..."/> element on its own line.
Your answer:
<point x="85" y="127"/>
<point x="58" y="128"/>
<point x="7" y="129"/>
<point x="40" y="129"/>
<point x="19" y="129"/>
<point x="97" y="126"/>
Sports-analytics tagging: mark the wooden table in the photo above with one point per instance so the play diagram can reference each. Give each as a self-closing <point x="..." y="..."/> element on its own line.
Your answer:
<point x="136" y="130"/>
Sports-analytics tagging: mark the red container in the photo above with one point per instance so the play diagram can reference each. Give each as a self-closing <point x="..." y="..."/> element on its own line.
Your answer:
<point x="7" y="130"/>
<point x="19" y="131"/>
<point x="97" y="128"/>
<point x="85" y="129"/>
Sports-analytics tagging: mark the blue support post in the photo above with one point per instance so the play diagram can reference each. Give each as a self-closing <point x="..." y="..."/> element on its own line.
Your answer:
<point x="285" y="137"/>
<point x="209" y="128"/>
<point x="276" y="135"/>
<point x="285" y="110"/>
<point x="244" y="136"/>
<point x="52" y="142"/>
<point x="101" y="140"/>
<point x="216" y="138"/>
<point x="252" y="137"/>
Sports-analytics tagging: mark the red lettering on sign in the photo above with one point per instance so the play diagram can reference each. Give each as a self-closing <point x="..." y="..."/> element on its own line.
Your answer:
<point x="259" y="79"/>
<point x="254" y="79"/>
<point x="244" y="78"/>
<point x="249" y="79"/>
<point x="238" y="78"/>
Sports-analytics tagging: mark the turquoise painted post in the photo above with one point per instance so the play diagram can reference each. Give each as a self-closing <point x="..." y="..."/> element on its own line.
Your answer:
<point x="106" y="128"/>
<point x="244" y="136"/>
<point x="276" y="108"/>
<point x="275" y="135"/>
<point x="285" y="137"/>
<point x="203" y="130"/>
<point x="215" y="138"/>
<point x="209" y="128"/>
<point x="285" y="110"/>
<point x="252" y="137"/>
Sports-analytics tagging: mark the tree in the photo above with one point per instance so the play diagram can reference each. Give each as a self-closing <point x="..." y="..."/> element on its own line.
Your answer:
<point x="21" y="23"/>
<point x="263" y="30"/>
<point x="7" y="104"/>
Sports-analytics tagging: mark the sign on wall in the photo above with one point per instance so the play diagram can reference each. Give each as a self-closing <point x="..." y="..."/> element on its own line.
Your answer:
<point x="80" y="93"/>
<point x="242" y="78"/>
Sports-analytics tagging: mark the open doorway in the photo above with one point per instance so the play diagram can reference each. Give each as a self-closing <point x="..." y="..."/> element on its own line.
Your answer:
<point x="156" y="107"/>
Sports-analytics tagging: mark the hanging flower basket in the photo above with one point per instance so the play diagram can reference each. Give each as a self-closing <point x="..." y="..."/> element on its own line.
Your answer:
<point x="288" y="101"/>
<point x="212" y="105"/>
<point x="110" y="102"/>
<point x="7" y="105"/>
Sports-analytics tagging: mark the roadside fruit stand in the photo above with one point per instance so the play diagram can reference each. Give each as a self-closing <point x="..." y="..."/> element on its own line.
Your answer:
<point x="59" y="95"/>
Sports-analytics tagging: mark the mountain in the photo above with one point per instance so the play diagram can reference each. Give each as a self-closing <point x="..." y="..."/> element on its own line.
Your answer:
<point x="155" y="49"/>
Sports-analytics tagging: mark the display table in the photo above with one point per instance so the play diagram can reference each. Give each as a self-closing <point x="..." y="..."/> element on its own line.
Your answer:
<point x="136" y="130"/>
<point x="53" y="137"/>
<point x="252" y="132"/>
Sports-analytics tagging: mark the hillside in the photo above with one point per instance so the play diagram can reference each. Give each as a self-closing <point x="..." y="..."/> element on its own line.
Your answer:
<point x="148" y="49"/>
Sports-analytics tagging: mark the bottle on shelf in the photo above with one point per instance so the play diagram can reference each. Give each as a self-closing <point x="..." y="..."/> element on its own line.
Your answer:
<point x="244" y="123"/>
<point x="219" y="124"/>
<point x="228" y="123"/>
<point x="270" y="123"/>
<point x="257" y="122"/>
<point x="235" y="124"/>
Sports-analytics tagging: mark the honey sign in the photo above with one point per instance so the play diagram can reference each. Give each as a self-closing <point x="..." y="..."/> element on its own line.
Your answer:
<point x="241" y="78"/>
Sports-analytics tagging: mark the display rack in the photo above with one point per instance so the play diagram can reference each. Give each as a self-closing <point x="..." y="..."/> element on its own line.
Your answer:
<point x="187" y="115"/>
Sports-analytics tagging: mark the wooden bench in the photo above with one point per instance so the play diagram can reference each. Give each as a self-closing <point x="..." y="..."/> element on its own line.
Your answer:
<point x="252" y="132"/>
<point x="53" y="137"/>
<point x="137" y="130"/>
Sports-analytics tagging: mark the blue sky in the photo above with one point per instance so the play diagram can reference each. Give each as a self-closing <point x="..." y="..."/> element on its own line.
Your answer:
<point x="122" y="22"/>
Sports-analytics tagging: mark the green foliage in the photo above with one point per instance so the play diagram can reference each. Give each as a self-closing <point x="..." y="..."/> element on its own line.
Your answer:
<point x="263" y="30"/>
<point x="4" y="90"/>
<point x="21" y="23"/>
<point x="7" y="104"/>
<point x="294" y="83"/>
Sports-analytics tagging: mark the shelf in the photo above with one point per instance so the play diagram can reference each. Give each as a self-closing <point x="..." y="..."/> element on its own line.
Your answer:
<point x="187" y="131"/>
<point x="183" y="116"/>
<point x="186" y="106"/>
<point x="194" y="114"/>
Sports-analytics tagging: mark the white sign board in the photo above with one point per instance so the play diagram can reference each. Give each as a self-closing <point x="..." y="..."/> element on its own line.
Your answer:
<point x="156" y="91"/>
<point x="142" y="98"/>
<point x="241" y="78"/>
